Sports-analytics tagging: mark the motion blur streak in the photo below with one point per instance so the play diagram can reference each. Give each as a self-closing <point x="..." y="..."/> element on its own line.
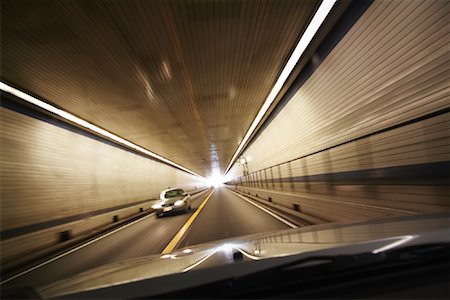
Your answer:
<point x="304" y="41"/>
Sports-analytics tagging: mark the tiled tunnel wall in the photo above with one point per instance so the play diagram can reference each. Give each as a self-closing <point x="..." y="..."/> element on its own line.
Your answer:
<point x="57" y="183"/>
<point x="367" y="134"/>
<point x="364" y="179"/>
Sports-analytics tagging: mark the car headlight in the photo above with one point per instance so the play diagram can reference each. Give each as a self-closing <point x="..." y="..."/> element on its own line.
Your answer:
<point x="156" y="206"/>
<point x="179" y="203"/>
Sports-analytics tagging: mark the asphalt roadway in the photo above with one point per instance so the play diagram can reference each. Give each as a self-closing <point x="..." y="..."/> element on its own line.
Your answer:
<point x="223" y="216"/>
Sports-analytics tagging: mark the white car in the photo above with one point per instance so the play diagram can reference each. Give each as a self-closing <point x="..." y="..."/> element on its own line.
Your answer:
<point x="172" y="200"/>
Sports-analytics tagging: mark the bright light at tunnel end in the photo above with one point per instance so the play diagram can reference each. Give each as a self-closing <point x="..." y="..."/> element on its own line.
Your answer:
<point x="320" y="15"/>
<point x="215" y="181"/>
<point x="74" y="119"/>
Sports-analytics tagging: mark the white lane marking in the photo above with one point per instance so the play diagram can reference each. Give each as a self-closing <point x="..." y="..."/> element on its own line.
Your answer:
<point x="73" y="250"/>
<point x="265" y="210"/>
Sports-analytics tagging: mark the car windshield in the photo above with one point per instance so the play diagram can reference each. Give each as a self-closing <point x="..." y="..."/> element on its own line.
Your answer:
<point x="173" y="193"/>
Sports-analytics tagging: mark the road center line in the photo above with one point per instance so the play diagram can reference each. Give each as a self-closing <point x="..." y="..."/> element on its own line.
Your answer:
<point x="176" y="239"/>
<point x="265" y="210"/>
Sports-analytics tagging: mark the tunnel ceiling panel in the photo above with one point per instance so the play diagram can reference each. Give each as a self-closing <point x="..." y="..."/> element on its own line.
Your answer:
<point x="183" y="79"/>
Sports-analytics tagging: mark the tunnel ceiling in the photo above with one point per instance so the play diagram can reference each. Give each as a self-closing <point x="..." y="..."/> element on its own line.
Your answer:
<point x="183" y="79"/>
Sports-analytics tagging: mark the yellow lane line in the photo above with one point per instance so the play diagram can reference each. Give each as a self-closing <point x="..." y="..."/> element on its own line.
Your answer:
<point x="176" y="239"/>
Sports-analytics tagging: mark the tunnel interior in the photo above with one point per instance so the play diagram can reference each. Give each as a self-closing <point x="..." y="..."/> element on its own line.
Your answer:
<point x="105" y="104"/>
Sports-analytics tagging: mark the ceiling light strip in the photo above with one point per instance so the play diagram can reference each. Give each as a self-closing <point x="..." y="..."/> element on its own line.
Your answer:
<point x="320" y="15"/>
<point x="67" y="116"/>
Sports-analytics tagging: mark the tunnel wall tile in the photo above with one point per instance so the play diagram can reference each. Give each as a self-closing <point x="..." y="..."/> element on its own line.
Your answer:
<point x="51" y="173"/>
<point x="378" y="102"/>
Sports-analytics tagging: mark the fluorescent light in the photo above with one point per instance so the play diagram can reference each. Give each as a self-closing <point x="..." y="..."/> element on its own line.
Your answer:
<point x="320" y="15"/>
<point x="67" y="116"/>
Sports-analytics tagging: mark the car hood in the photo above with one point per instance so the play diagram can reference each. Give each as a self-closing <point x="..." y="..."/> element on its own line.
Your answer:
<point x="215" y="261"/>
